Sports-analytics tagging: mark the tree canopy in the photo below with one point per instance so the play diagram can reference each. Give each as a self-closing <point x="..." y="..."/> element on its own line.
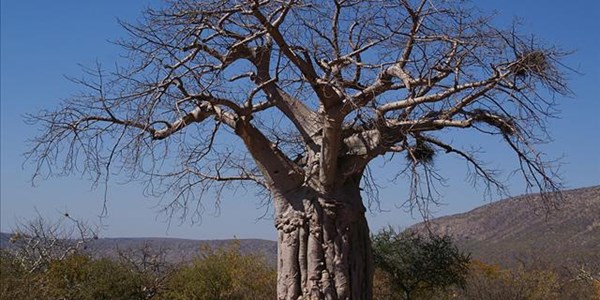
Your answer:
<point x="418" y="263"/>
<point x="289" y="77"/>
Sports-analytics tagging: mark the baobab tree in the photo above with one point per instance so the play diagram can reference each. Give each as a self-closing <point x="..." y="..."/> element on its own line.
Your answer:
<point x="298" y="97"/>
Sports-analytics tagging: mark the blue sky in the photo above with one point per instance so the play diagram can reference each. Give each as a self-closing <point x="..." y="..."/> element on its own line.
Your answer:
<point x="41" y="41"/>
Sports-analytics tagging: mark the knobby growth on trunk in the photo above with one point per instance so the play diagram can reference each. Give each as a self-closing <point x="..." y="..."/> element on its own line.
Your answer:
<point x="298" y="97"/>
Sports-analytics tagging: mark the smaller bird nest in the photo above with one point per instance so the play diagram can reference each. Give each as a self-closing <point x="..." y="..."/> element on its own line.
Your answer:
<point x="505" y="124"/>
<point x="532" y="62"/>
<point x="421" y="152"/>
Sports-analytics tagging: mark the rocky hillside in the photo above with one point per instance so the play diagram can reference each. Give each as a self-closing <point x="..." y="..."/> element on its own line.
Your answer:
<point x="521" y="230"/>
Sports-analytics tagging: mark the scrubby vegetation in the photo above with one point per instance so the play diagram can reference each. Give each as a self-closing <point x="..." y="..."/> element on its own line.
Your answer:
<point x="414" y="266"/>
<point x="221" y="274"/>
<point x="408" y="266"/>
<point x="75" y="277"/>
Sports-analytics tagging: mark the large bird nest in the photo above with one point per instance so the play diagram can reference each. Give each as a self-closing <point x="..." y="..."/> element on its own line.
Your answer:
<point x="531" y="63"/>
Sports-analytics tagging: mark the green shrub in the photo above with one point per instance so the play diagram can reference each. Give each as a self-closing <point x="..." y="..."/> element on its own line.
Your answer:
<point x="80" y="277"/>
<point x="16" y="282"/>
<point x="413" y="266"/>
<point x="75" y="277"/>
<point x="223" y="275"/>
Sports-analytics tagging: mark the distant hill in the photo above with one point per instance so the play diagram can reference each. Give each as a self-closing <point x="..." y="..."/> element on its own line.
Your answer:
<point x="175" y="250"/>
<point x="505" y="232"/>
<point x="182" y="250"/>
<point x="516" y="230"/>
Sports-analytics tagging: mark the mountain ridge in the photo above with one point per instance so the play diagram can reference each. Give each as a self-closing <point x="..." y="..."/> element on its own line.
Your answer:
<point x="173" y="250"/>
<point x="520" y="230"/>
<point x="506" y="232"/>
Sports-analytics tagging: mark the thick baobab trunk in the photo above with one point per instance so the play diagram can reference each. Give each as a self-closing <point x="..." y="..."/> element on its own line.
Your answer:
<point x="324" y="245"/>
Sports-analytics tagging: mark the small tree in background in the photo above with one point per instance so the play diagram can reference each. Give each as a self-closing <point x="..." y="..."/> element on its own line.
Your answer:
<point x="150" y="263"/>
<point x="37" y="242"/>
<point x="419" y="265"/>
<point x="583" y="282"/>
<point x="51" y="260"/>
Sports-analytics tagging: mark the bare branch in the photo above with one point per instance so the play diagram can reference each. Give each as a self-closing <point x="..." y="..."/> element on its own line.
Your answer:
<point x="313" y="91"/>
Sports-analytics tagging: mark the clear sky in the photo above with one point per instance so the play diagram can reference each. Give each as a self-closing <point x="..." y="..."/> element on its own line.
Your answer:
<point x="41" y="41"/>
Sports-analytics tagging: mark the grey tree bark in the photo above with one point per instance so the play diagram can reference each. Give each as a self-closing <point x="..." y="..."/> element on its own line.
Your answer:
<point x="324" y="245"/>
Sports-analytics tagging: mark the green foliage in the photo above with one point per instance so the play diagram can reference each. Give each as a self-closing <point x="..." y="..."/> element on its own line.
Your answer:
<point x="224" y="274"/>
<point x="418" y="266"/>
<point x="409" y="266"/>
<point x="15" y="281"/>
<point x="75" y="277"/>
<point x="80" y="277"/>
<point x="218" y="274"/>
